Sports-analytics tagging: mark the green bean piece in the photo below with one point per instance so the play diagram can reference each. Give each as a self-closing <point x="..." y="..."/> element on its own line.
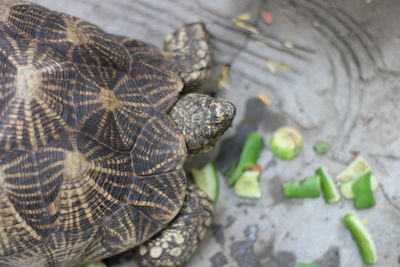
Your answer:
<point x="362" y="237"/>
<point x="329" y="188"/>
<point x="306" y="188"/>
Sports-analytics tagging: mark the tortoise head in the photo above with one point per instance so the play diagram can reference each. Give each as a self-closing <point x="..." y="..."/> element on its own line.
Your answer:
<point x="202" y="120"/>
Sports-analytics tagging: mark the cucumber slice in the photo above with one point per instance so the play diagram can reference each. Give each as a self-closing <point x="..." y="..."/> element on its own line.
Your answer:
<point x="353" y="170"/>
<point x="248" y="185"/>
<point x="362" y="237"/>
<point x="347" y="188"/>
<point x="306" y="188"/>
<point x="95" y="264"/>
<point x="286" y="143"/>
<point x="329" y="188"/>
<point x="207" y="179"/>
<point x="363" y="195"/>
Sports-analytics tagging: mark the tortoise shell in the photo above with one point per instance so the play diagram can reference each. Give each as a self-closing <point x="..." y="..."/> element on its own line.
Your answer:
<point x="90" y="162"/>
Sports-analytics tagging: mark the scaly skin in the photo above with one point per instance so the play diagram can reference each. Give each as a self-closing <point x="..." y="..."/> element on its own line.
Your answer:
<point x="174" y="245"/>
<point x="189" y="46"/>
<point x="202" y="120"/>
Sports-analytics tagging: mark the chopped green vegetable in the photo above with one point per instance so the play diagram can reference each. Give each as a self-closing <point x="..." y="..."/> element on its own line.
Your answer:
<point x="248" y="157"/>
<point x="306" y="188"/>
<point x="248" y="185"/>
<point x="95" y="264"/>
<point x="306" y="265"/>
<point x="207" y="179"/>
<point x="363" y="195"/>
<point x="347" y="188"/>
<point x="321" y="147"/>
<point x="329" y="188"/>
<point x="286" y="143"/>
<point x="229" y="172"/>
<point x="362" y="237"/>
<point x="353" y="170"/>
<point x="351" y="174"/>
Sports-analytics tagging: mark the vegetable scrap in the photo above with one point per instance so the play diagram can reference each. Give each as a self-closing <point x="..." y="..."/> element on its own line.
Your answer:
<point x="265" y="99"/>
<point x="260" y="42"/>
<point x="354" y="154"/>
<point x="352" y="173"/>
<point x="248" y="185"/>
<point x="288" y="44"/>
<point x="329" y="188"/>
<point x="246" y="26"/>
<point x="322" y="147"/>
<point x="256" y="168"/>
<point x="362" y="237"/>
<point x="268" y="17"/>
<point x="273" y="66"/>
<point x="223" y="81"/>
<point x="309" y="187"/>
<point x="243" y="16"/>
<point x="207" y="179"/>
<point x="248" y="157"/>
<point x="286" y="143"/>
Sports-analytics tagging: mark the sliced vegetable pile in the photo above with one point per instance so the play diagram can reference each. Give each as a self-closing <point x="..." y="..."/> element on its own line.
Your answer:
<point x="351" y="174"/>
<point x="244" y="176"/>
<point x="356" y="181"/>
<point x="248" y="157"/>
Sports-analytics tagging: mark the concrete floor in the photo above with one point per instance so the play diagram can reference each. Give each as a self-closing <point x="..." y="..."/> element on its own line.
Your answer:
<point x="343" y="88"/>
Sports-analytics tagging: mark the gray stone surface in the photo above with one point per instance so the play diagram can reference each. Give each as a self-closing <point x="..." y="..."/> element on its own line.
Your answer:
<point x="343" y="88"/>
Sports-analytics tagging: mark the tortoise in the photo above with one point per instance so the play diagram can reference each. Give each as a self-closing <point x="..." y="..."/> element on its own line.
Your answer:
<point x="94" y="131"/>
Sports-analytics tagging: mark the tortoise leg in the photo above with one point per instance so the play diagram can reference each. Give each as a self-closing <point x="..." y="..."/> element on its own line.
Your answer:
<point x="174" y="245"/>
<point x="190" y="47"/>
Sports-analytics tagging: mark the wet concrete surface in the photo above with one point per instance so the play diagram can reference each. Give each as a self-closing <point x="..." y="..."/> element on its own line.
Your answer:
<point x="343" y="88"/>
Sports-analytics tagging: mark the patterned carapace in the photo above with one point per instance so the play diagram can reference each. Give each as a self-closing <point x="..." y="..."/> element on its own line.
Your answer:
<point x="90" y="162"/>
